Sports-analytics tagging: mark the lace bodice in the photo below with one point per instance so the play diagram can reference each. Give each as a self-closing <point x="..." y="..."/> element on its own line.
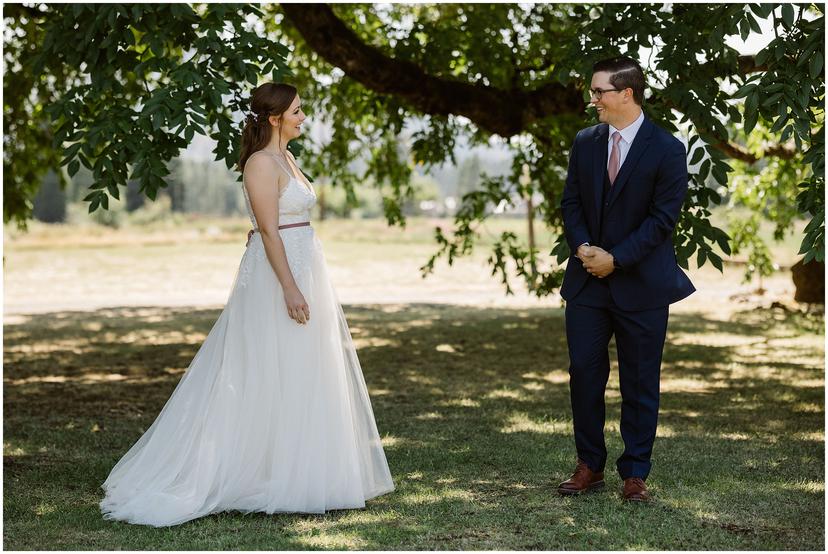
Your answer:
<point x="295" y="203"/>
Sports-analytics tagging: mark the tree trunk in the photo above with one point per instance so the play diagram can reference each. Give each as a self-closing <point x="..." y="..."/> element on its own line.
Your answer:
<point x="530" y="220"/>
<point x="809" y="280"/>
<point x="134" y="197"/>
<point x="321" y="202"/>
<point x="49" y="204"/>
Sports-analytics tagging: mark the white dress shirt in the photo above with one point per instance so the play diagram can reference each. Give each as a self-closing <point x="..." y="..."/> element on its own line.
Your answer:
<point x="627" y="136"/>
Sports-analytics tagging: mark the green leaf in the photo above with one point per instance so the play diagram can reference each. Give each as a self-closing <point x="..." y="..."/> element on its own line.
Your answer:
<point x="71" y="151"/>
<point x="816" y="65"/>
<point x="195" y="116"/>
<point x="754" y="25"/>
<point x="751" y="117"/>
<point x="781" y="120"/>
<point x="723" y="241"/>
<point x="763" y="54"/>
<point x="771" y="100"/>
<point x="751" y="102"/>
<point x="787" y="15"/>
<point x="692" y="141"/>
<point x="744" y="29"/>
<point x="762" y="10"/>
<point x="806" y="54"/>
<point x="698" y="154"/>
<point x="704" y="170"/>
<point x="719" y="175"/>
<point x="745" y="90"/>
<point x="157" y="120"/>
<point x="73" y="168"/>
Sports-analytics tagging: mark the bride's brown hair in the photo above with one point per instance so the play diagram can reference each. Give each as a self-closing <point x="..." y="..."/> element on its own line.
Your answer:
<point x="265" y="100"/>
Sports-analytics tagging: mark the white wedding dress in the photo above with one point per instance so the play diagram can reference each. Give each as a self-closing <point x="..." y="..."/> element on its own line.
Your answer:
<point x="271" y="416"/>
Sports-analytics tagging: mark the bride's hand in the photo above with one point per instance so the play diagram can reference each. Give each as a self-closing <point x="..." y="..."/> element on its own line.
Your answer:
<point x="297" y="308"/>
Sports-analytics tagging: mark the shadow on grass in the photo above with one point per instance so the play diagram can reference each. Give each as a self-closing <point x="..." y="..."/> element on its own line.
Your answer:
<point x="473" y="407"/>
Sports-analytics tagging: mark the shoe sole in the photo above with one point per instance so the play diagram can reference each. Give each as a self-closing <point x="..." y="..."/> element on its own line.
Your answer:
<point x="591" y="488"/>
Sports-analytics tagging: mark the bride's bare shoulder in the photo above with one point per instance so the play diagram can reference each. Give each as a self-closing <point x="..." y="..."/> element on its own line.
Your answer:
<point x="260" y="160"/>
<point x="261" y="167"/>
<point x="260" y="172"/>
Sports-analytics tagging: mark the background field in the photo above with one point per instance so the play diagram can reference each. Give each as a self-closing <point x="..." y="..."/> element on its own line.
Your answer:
<point x="54" y="267"/>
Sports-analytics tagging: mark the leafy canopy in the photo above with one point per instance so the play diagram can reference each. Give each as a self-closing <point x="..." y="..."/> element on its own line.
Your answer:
<point x="121" y="89"/>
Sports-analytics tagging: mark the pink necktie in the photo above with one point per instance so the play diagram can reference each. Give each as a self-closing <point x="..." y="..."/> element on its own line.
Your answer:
<point x="615" y="158"/>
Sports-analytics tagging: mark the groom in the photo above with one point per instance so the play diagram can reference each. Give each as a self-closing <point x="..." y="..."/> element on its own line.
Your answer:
<point x="624" y="190"/>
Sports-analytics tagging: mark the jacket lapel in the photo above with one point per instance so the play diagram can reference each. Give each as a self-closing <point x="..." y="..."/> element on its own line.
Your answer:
<point x="599" y="167"/>
<point x="637" y="148"/>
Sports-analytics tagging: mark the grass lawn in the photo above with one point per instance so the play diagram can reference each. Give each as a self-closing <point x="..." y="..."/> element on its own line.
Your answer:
<point x="473" y="407"/>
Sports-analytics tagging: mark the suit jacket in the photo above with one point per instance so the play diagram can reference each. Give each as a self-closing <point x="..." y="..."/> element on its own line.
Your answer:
<point x="634" y="221"/>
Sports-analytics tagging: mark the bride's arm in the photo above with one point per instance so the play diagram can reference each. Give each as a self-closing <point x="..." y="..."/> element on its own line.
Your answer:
<point x="264" y="199"/>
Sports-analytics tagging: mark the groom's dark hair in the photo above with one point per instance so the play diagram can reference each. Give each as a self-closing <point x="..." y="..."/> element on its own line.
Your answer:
<point x="624" y="73"/>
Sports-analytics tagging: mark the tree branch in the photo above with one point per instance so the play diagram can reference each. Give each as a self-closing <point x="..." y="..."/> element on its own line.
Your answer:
<point x="499" y="111"/>
<point x="747" y="64"/>
<point x="739" y="152"/>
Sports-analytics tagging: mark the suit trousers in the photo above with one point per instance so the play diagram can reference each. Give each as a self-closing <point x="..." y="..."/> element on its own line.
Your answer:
<point x="592" y="318"/>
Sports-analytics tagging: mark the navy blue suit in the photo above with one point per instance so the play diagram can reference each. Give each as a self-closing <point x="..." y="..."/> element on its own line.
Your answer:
<point x="633" y="219"/>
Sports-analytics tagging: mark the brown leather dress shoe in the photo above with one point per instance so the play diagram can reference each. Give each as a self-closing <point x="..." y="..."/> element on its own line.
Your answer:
<point x="635" y="490"/>
<point x="583" y="480"/>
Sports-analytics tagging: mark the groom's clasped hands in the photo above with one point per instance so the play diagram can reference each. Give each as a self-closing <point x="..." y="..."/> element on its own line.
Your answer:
<point x="596" y="260"/>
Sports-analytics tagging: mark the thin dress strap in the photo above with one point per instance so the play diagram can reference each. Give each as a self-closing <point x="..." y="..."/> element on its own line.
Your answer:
<point x="302" y="179"/>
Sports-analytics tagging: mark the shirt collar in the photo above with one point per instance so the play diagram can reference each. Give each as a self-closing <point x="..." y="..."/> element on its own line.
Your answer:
<point x="628" y="133"/>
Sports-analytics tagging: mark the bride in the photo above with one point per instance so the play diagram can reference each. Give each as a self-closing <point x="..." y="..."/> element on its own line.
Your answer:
<point x="273" y="414"/>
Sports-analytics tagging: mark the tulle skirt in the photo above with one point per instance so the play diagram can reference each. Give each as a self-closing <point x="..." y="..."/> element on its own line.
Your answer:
<point x="271" y="416"/>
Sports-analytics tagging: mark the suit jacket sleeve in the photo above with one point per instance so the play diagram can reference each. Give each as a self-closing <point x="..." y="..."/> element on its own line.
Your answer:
<point x="575" y="228"/>
<point x="669" y="193"/>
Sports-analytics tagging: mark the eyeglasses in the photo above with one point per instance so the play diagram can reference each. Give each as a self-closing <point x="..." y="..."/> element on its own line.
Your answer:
<point x="597" y="92"/>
